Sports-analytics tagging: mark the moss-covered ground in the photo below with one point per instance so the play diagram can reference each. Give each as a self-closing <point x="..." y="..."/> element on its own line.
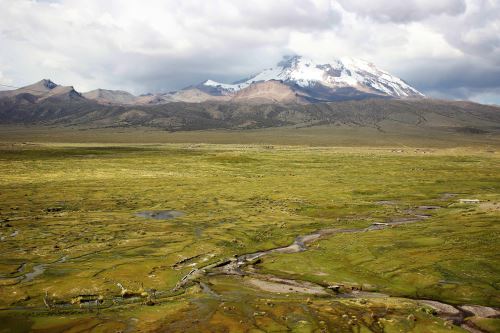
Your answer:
<point x="69" y="229"/>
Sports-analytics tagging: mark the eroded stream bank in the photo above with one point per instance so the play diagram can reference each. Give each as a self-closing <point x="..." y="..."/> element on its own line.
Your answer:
<point x="237" y="264"/>
<point x="245" y="267"/>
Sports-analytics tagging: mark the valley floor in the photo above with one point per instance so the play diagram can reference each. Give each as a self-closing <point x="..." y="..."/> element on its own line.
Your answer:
<point x="382" y="228"/>
<point x="391" y="136"/>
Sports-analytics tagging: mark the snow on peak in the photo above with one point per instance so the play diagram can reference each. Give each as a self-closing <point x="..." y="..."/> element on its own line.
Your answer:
<point x="340" y="73"/>
<point x="228" y="88"/>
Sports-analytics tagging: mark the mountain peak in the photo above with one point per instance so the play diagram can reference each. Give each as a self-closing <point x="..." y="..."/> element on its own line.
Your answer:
<point x="289" y="61"/>
<point x="39" y="88"/>
<point x="47" y="83"/>
<point x="346" y="74"/>
<point x="105" y="96"/>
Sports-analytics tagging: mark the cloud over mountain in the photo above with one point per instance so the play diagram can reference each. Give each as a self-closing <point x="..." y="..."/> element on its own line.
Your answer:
<point x="156" y="45"/>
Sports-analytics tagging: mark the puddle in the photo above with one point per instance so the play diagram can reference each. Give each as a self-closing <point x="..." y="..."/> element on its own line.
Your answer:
<point x="40" y="269"/>
<point x="198" y="232"/>
<point x="386" y="202"/>
<point x="160" y="214"/>
<point x="37" y="270"/>
<point x="429" y="207"/>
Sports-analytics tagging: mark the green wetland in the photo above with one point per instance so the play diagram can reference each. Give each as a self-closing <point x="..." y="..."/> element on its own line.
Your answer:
<point x="248" y="238"/>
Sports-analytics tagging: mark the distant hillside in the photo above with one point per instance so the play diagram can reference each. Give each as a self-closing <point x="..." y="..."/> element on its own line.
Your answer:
<point x="66" y="109"/>
<point x="40" y="91"/>
<point x="105" y="96"/>
<point x="268" y="92"/>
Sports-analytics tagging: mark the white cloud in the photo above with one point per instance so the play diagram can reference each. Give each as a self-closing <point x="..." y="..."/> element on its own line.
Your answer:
<point x="117" y="43"/>
<point x="156" y="45"/>
<point x="477" y="32"/>
<point x="403" y="11"/>
<point x="5" y="82"/>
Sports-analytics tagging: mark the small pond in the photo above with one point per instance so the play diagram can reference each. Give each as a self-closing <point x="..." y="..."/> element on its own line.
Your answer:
<point x="160" y="214"/>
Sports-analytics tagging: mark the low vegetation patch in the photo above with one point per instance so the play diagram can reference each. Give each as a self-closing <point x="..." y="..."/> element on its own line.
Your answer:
<point x="71" y="240"/>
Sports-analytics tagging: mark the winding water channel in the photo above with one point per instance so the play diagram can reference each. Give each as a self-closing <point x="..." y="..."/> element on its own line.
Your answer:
<point x="243" y="265"/>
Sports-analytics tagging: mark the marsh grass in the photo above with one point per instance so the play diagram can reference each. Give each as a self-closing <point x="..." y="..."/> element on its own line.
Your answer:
<point x="74" y="207"/>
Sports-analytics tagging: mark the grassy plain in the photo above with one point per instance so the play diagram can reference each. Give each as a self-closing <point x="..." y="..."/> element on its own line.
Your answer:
<point x="68" y="228"/>
<point x="317" y="136"/>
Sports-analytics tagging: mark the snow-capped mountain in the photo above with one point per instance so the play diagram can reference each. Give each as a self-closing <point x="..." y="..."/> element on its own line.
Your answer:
<point x="294" y="80"/>
<point x="342" y="77"/>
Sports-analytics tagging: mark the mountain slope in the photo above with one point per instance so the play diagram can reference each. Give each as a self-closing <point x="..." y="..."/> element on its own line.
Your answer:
<point x="325" y="82"/>
<point x="268" y="92"/>
<point x="40" y="91"/>
<point x="378" y="114"/>
<point x="189" y="95"/>
<point x="105" y="96"/>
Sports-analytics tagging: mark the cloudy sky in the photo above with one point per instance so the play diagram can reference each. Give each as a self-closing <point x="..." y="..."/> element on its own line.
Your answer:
<point x="445" y="48"/>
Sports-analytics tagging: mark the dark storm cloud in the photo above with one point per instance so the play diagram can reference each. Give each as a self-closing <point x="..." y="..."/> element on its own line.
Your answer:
<point x="460" y="79"/>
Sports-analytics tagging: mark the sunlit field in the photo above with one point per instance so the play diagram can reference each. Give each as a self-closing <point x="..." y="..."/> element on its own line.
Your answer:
<point x="383" y="228"/>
